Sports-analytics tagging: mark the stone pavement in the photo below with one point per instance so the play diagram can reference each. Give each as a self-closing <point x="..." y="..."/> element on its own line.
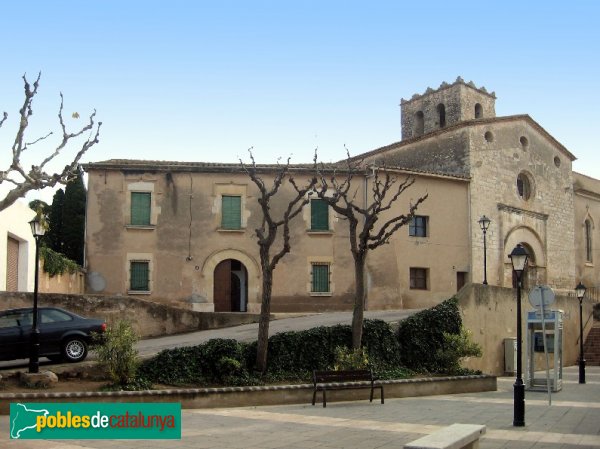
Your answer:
<point x="571" y="422"/>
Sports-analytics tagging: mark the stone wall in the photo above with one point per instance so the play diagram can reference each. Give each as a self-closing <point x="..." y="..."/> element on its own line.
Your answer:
<point x="444" y="152"/>
<point x="67" y="283"/>
<point x="149" y="319"/>
<point x="489" y="312"/>
<point x="500" y="151"/>
<point x="587" y="208"/>
<point x="459" y="100"/>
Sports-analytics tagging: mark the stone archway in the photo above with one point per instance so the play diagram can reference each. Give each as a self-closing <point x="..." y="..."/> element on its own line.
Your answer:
<point x="230" y="286"/>
<point x="242" y="275"/>
<point x="536" y="267"/>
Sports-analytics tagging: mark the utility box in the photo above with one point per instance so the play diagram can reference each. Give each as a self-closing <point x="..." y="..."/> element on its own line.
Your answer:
<point x="549" y="324"/>
<point x="510" y="356"/>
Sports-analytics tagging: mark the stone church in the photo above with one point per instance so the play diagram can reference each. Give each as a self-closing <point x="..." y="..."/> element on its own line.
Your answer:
<point x="183" y="232"/>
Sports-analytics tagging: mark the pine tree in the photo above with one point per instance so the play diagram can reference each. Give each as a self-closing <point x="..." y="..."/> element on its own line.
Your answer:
<point x="54" y="235"/>
<point x="73" y="219"/>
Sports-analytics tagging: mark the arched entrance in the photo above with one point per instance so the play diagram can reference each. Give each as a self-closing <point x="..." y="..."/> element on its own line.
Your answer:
<point x="230" y="286"/>
<point x="530" y="277"/>
<point x="535" y="272"/>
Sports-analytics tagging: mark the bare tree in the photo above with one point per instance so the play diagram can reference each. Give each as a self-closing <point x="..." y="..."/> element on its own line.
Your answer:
<point x="362" y="219"/>
<point x="37" y="178"/>
<point x="266" y="235"/>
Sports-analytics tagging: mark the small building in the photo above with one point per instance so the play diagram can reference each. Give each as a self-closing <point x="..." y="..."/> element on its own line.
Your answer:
<point x="17" y="249"/>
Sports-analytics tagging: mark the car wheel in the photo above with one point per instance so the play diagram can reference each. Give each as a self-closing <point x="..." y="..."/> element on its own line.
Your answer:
<point x="74" y="349"/>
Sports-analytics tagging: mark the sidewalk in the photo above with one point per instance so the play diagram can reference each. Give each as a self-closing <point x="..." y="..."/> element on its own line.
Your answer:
<point x="573" y="421"/>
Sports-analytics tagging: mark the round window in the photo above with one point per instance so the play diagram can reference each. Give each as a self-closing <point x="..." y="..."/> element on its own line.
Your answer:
<point x="557" y="161"/>
<point x="524" y="186"/>
<point x="524" y="142"/>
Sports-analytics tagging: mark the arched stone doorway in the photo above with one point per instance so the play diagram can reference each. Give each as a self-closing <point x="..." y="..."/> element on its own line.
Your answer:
<point x="249" y="276"/>
<point x="531" y="277"/>
<point x="230" y="286"/>
<point x="535" y="273"/>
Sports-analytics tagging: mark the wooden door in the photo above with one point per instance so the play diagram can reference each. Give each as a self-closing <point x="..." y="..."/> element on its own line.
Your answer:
<point x="12" y="265"/>
<point x="222" y="289"/>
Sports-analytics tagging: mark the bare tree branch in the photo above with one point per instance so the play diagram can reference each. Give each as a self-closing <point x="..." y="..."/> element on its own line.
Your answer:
<point x="386" y="189"/>
<point x="37" y="178"/>
<point x="267" y="233"/>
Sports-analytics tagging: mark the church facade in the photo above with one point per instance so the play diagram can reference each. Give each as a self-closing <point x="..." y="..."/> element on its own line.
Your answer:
<point x="183" y="233"/>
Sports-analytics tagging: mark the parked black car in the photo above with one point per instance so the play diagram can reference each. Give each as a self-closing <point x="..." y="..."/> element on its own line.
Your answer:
<point x="63" y="335"/>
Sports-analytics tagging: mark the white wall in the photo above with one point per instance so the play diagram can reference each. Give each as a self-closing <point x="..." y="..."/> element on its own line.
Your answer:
<point x="14" y="222"/>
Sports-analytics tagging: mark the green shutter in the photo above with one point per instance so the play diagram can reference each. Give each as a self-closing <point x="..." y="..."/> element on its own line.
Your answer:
<point x="319" y="215"/>
<point x="139" y="276"/>
<point x="140" y="208"/>
<point x="231" y="212"/>
<point x="320" y="278"/>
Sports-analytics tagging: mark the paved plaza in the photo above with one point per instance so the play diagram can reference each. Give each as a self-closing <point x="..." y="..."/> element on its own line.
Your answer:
<point x="572" y="421"/>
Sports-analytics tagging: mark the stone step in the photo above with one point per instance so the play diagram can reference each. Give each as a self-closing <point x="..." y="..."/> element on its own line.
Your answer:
<point x="591" y="346"/>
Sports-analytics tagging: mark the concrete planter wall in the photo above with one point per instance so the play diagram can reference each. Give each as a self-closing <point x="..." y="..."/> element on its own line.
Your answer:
<point x="268" y="395"/>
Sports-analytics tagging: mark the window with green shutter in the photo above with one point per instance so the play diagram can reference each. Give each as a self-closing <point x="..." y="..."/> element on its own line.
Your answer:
<point x="319" y="215"/>
<point x="231" y="212"/>
<point x="320" y="278"/>
<point x="140" y="208"/>
<point x="139" y="276"/>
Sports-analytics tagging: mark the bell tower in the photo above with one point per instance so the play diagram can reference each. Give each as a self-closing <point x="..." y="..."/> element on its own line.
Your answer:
<point x="445" y="106"/>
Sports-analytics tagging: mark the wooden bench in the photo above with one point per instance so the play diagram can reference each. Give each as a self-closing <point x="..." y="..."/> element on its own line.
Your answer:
<point x="456" y="436"/>
<point x="344" y="380"/>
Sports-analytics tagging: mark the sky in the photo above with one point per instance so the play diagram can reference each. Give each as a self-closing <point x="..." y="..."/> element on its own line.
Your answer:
<point x="205" y="81"/>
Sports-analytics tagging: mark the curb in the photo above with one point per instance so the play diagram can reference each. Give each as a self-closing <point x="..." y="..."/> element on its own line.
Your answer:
<point x="261" y="395"/>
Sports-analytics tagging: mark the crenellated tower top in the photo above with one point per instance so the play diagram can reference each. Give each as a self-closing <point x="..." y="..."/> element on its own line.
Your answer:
<point x="445" y="106"/>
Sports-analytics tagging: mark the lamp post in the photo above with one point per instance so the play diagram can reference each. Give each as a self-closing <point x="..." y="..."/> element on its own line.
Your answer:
<point x="518" y="258"/>
<point x="580" y="289"/>
<point x="484" y="223"/>
<point x="38" y="231"/>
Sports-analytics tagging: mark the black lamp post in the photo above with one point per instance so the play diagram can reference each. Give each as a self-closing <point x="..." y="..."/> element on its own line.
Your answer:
<point x="484" y="223"/>
<point x="518" y="258"/>
<point x="38" y="231"/>
<point x="580" y="289"/>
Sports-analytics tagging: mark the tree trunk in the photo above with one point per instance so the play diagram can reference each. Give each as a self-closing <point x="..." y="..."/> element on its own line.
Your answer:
<point x="359" y="303"/>
<point x="263" y="323"/>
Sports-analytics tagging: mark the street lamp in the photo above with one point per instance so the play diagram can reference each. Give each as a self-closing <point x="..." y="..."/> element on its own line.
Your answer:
<point x="518" y="258"/>
<point x="484" y="223"/>
<point x="580" y="290"/>
<point x="37" y="229"/>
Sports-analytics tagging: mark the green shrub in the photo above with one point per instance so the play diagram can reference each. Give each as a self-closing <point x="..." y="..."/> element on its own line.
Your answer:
<point x="304" y="351"/>
<point x="421" y="336"/>
<point x="349" y="359"/>
<point x="429" y="341"/>
<point x="456" y="347"/>
<point x="56" y="263"/>
<point x="177" y="366"/>
<point x="222" y="359"/>
<point x="117" y="354"/>
<point x="381" y="344"/>
<point x="218" y="361"/>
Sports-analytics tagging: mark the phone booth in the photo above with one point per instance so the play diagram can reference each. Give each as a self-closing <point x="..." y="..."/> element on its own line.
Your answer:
<point x="548" y="356"/>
